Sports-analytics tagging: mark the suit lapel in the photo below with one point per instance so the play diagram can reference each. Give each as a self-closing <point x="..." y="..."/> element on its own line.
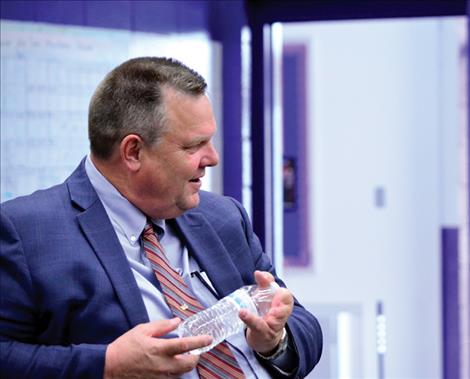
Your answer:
<point x="99" y="231"/>
<point x="206" y="247"/>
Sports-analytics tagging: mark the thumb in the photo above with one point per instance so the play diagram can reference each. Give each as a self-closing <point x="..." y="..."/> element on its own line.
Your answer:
<point x="263" y="278"/>
<point x="160" y="327"/>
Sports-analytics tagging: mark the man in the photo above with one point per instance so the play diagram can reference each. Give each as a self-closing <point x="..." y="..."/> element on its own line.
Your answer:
<point x="82" y="295"/>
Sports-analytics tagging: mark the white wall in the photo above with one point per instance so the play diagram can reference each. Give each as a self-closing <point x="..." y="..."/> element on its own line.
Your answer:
<point x="378" y="116"/>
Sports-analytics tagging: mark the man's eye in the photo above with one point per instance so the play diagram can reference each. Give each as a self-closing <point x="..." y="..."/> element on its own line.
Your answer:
<point x="193" y="148"/>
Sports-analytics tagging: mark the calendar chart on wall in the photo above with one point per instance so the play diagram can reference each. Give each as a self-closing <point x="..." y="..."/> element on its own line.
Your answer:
<point x="48" y="75"/>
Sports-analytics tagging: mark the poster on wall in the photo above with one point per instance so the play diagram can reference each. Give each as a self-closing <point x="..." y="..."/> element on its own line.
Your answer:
<point x="289" y="178"/>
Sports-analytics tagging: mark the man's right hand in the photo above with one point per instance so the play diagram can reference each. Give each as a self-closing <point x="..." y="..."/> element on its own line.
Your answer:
<point x="139" y="353"/>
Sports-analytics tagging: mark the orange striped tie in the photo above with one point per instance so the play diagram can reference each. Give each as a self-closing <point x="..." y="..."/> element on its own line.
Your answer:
<point x="216" y="363"/>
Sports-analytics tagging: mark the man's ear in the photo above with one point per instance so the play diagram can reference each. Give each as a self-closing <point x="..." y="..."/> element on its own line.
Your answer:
<point x="130" y="150"/>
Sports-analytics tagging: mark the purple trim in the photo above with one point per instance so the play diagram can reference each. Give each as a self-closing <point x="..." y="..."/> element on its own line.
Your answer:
<point x="55" y="12"/>
<point x="296" y="227"/>
<point x="468" y="121"/>
<point x="18" y="10"/>
<point x="163" y="16"/>
<point x="227" y="19"/>
<point x="450" y="302"/>
<point x="113" y="14"/>
<point x="257" y="131"/>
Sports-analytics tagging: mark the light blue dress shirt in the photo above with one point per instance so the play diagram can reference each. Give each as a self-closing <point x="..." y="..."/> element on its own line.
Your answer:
<point x="129" y="223"/>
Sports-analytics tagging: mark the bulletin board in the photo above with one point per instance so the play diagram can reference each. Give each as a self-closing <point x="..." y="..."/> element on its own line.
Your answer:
<point x="48" y="75"/>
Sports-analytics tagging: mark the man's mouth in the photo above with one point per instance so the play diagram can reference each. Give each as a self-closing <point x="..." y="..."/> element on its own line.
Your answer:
<point x="196" y="180"/>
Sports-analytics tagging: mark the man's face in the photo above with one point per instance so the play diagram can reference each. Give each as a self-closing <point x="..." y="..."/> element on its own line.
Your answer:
<point x="170" y="177"/>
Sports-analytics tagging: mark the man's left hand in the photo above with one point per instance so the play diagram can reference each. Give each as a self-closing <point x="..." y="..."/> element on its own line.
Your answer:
<point x="264" y="333"/>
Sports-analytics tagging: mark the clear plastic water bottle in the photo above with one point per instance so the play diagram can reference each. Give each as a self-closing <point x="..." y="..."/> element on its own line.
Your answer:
<point x="221" y="320"/>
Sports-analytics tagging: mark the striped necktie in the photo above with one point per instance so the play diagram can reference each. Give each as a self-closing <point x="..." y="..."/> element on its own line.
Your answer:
<point x="216" y="363"/>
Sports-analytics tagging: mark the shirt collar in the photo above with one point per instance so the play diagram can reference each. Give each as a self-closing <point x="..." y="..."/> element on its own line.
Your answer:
<point x="122" y="213"/>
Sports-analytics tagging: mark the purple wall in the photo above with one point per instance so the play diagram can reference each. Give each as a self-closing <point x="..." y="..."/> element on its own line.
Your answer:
<point x="223" y="20"/>
<point x="450" y="299"/>
<point x="147" y="16"/>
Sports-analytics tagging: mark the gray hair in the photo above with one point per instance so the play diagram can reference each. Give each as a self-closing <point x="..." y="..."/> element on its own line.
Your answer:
<point x="129" y="100"/>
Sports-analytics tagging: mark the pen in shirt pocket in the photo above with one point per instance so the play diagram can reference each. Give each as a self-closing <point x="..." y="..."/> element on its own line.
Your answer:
<point x="204" y="279"/>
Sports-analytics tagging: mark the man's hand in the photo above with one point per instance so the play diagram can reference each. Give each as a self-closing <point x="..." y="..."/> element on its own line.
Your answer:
<point x="264" y="334"/>
<point x="138" y="354"/>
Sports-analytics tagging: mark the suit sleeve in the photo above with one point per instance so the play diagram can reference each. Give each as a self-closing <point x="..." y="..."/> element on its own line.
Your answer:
<point x="302" y="326"/>
<point x="22" y="355"/>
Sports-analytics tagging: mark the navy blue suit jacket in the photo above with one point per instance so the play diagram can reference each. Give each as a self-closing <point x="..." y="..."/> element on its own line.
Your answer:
<point x="66" y="288"/>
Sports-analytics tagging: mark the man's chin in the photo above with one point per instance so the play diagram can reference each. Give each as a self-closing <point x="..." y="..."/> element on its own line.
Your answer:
<point x="190" y="202"/>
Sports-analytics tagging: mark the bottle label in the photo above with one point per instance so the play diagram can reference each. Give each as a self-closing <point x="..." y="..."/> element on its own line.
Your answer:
<point x="242" y="300"/>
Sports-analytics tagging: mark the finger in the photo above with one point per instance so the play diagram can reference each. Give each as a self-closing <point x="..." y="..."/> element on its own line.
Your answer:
<point x="281" y="313"/>
<point x="175" y="346"/>
<point x="263" y="278"/>
<point x="276" y="322"/>
<point x="247" y="317"/>
<point x="174" y="367"/>
<point x="184" y="363"/>
<point x="282" y="298"/>
<point x="160" y="327"/>
<point x="252" y="321"/>
<point x="282" y="305"/>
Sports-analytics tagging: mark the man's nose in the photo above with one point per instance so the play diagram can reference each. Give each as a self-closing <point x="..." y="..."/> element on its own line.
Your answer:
<point x="211" y="158"/>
